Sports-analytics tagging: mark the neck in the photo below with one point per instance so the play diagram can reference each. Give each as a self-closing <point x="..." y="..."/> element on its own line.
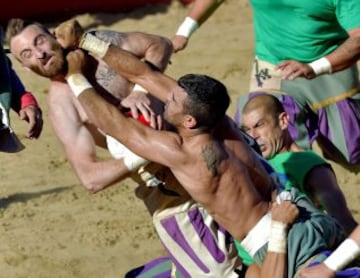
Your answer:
<point x="290" y="145"/>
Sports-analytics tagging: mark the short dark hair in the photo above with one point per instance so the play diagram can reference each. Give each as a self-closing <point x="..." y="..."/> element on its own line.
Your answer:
<point x="207" y="100"/>
<point x="16" y="25"/>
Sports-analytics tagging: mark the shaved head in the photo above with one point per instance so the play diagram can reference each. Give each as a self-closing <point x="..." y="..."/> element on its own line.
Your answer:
<point x="267" y="102"/>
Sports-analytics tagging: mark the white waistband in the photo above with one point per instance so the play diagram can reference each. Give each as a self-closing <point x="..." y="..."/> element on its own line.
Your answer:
<point x="258" y="235"/>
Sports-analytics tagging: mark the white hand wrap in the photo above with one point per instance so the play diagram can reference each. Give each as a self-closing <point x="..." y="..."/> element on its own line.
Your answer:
<point x="149" y="179"/>
<point x="139" y="88"/>
<point x="343" y="255"/>
<point x="78" y="83"/>
<point x="278" y="237"/>
<point x="188" y="27"/>
<point x="117" y="150"/>
<point x="321" y="66"/>
<point x="94" y="45"/>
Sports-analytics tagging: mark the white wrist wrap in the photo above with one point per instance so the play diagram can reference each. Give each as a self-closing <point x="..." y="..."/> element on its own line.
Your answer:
<point x="278" y="237"/>
<point x="343" y="255"/>
<point x="321" y="66"/>
<point x="78" y="83"/>
<point x="94" y="45"/>
<point x="139" y="88"/>
<point x="133" y="161"/>
<point x="149" y="179"/>
<point x="187" y="27"/>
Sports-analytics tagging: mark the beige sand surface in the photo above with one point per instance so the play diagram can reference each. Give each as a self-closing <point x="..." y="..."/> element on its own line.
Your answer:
<point x="49" y="225"/>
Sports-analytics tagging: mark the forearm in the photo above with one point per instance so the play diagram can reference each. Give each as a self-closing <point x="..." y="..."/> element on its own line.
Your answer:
<point x="98" y="175"/>
<point x="129" y="66"/>
<point x="203" y="9"/>
<point x="347" y="53"/>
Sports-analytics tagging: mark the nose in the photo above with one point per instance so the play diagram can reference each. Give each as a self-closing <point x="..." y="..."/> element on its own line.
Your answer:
<point x="252" y="132"/>
<point x="39" y="53"/>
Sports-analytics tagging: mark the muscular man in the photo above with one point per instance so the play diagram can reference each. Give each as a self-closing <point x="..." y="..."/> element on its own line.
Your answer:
<point x="43" y="54"/>
<point x="37" y="49"/>
<point x="208" y="156"/>
<point x="264" y="118"/>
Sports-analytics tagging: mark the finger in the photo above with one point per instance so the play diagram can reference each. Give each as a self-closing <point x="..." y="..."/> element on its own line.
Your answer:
<point x="153" y="122"/>
<point x="146" y="111"/>
<point x="134" y="112"/>
<point x="159" y="122"/>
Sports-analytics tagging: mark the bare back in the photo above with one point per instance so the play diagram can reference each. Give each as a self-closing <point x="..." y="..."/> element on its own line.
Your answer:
<point x="219" y="175"/>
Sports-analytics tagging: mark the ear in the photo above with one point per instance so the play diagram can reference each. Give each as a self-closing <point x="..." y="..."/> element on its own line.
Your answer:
<point x="283" y="120"/>
<point x="189" y="121"/>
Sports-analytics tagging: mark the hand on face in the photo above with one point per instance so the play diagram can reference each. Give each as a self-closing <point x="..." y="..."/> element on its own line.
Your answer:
<point x="76" y="61"/>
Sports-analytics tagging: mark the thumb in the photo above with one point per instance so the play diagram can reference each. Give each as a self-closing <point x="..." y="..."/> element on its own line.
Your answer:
<point x="22" y="115"/>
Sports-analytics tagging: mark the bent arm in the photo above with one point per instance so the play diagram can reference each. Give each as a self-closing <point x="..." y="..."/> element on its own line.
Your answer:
<point x="347" y="53"/>
<point x="79" y="143"/>
<point x="322" y="184"/>
<point x="154" y="49"/>
<point x="129" y="66"/>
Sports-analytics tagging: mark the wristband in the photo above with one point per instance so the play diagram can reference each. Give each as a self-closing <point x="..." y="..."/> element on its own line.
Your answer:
<point x="321" y="66"/>
<point x="149" y="179"/>
<point x="188" y="27"/>
<point x="78" y="83"/>
<point x="139" y="88"/>
<point x="343" y="255"/>
<point x="28" y="99"/>
<point x="278" y="238"/>
<point x="94" y="45"/>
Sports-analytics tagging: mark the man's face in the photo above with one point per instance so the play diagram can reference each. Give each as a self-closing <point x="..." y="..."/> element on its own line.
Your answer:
<point x="173" y="110"/>
<point x="38" y="51"/>
<point x="265" y="129"/>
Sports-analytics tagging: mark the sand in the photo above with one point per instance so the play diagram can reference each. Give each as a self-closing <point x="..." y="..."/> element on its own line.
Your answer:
<point x="50" y="226"/>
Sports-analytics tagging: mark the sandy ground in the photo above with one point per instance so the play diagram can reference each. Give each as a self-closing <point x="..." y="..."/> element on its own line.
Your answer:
<point x="49" y="225"/>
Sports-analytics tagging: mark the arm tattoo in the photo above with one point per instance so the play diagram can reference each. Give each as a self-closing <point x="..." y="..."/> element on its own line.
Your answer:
<point x="211" y="156"/>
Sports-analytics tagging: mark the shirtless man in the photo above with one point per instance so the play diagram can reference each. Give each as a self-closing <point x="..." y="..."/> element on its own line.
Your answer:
<point x="38" y="50"/>
<point x="43" y="54"/>
<point x="208" y="156"/>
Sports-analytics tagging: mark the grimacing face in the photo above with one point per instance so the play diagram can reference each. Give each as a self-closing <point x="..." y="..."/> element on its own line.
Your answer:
<point x="39" y="51"/>
<point x="265" y="129"/>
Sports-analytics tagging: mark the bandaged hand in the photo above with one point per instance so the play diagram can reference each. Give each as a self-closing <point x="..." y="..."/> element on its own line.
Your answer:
<point x="286" y="212"/>
<point x="76" y="61"/>
<point x="69" y="33"/>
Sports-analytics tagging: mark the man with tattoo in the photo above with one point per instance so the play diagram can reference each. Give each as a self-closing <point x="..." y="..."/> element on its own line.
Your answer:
<point x="209" y="157"/>
<point x="166" y="201"/>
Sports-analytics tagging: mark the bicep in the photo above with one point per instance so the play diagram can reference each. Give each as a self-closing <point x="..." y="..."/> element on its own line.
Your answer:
<point x="153" y="48"/>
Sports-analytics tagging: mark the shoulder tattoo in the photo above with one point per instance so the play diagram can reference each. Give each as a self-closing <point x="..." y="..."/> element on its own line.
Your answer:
<point x="212" y="158"/>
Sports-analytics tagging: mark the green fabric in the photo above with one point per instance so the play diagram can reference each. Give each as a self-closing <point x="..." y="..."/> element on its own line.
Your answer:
<point x="302" y="30"/>
<point x="245" y="256"/>
<point x="293" y="167"/>
<point x="312" y="233"/>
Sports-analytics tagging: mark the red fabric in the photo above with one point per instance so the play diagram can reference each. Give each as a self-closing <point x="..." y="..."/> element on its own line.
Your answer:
<point x="28" y="99"/>
<point x="140" y="119"/>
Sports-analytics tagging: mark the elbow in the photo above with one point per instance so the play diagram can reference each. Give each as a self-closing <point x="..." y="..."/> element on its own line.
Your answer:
<point x="91" y="186"/>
